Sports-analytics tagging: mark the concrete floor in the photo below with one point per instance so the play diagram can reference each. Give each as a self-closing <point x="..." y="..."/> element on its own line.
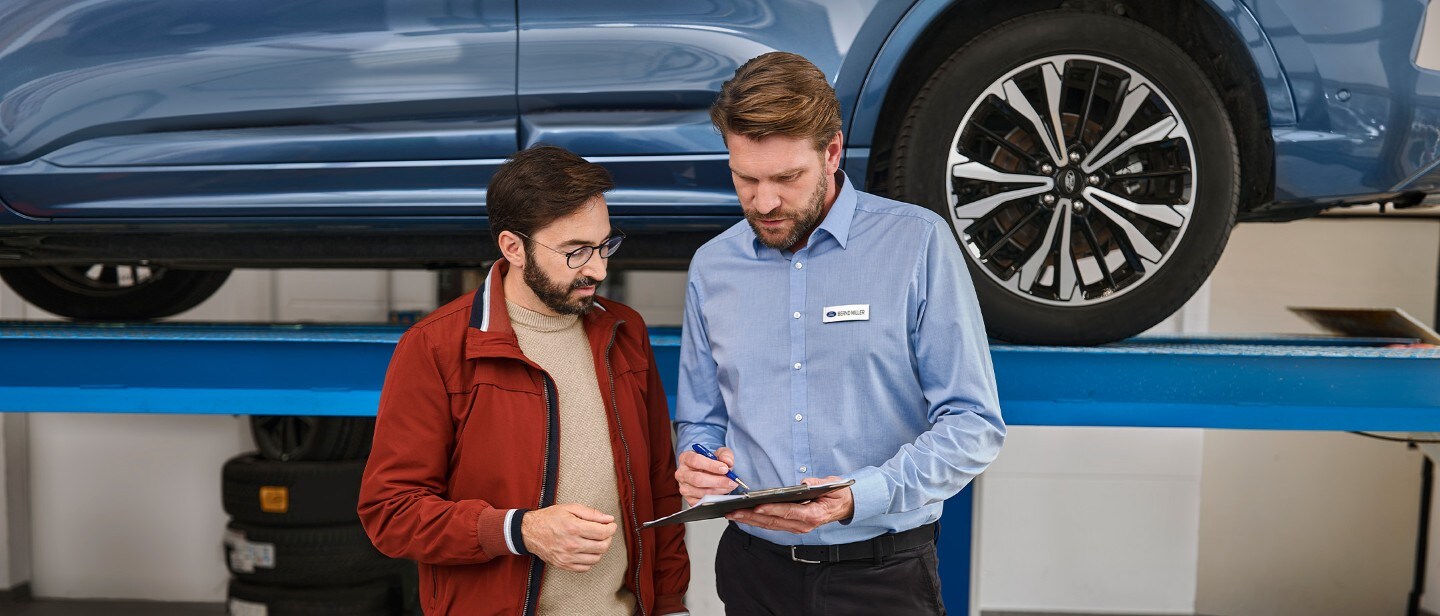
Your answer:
<point x="73" y="607"/>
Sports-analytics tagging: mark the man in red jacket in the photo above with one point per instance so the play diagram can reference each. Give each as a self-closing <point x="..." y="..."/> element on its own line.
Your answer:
<point x="523" y="434"/>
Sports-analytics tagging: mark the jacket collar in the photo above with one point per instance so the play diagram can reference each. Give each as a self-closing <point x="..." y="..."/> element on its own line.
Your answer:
<point x="491" y="334"/>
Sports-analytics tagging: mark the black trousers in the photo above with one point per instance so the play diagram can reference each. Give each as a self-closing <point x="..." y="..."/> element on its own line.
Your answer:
<point x="754" y="580"/>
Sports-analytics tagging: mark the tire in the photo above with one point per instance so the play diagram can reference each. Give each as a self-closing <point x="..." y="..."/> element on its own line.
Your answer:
<point x="104" y="292"/>
<point x="305" y="556"/>
<point x="297" y="439"/>
<point x="968" y="150"/>
<point x="259" y="491"/>
<point x="373" y="599"/>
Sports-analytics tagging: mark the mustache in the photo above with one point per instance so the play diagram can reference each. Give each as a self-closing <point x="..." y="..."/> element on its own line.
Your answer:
<point x="584" y="282"/>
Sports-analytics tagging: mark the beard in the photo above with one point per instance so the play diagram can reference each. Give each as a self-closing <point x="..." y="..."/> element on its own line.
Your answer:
<point x="556" y="295"/>
<point x="805" y="220"/>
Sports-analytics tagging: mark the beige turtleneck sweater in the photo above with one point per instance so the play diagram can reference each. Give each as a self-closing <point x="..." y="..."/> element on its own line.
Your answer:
<point x="587" y="469"/>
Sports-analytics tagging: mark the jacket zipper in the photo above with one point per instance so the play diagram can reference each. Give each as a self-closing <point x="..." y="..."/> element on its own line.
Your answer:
<point x="634" y="521"/>
<point x="532" y="586"/>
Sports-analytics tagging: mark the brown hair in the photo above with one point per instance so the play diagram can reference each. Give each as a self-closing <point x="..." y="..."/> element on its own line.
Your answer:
<point x="778" y="93"/>
<point x="538" y="186"/>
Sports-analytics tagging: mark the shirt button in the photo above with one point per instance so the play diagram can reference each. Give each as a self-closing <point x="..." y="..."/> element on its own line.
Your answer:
<point x="802" y="469"/>
<point x="799" y="417"/>
<point x="797" y="315"/>
<point x="797" y="365"/>
<point x="799" y="266"/>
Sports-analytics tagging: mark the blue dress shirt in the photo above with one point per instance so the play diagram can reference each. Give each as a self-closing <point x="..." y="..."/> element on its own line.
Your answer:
<point x="778" y="363"/>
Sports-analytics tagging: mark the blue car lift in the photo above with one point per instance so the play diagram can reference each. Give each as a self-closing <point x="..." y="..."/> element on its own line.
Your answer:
<point x="242" y="369"/>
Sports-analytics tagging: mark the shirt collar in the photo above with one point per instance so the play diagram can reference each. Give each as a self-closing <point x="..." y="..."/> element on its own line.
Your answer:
<point x="836" y="223"/>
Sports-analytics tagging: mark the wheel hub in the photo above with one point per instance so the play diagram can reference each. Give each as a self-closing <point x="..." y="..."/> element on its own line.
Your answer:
<point x="1071" y="180"/>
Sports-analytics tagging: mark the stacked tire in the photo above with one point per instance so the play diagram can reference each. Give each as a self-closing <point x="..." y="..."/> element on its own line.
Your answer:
<point x="294" y="544"/>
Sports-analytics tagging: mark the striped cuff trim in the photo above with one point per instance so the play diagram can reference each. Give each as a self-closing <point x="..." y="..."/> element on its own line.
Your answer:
<point x="514" y="539"/>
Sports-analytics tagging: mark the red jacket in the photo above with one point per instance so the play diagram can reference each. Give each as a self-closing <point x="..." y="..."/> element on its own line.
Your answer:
<point x="467" y="432"/>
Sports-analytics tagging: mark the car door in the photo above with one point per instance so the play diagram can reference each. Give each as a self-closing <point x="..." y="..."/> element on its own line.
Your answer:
<point x="629" y="83"/>
<point x="122" y="109"/>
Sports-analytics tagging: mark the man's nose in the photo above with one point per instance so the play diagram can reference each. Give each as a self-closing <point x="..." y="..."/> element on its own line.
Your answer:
<point x="767" y="199"/>
<point x="596" y="267"/>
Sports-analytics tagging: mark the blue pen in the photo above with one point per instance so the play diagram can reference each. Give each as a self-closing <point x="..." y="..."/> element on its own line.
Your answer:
<point x="705" y="451"/>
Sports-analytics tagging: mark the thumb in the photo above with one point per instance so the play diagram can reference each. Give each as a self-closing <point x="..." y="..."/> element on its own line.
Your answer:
<point x="815" y="481"/>
<point x="591" y="515"/>
<point x="726" y="456"/>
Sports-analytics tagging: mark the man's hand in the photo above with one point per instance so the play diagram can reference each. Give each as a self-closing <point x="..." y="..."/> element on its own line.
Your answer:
<point x="571" y="537"/>
<point x="699" y="475"/>
<point x="801" y="517"/>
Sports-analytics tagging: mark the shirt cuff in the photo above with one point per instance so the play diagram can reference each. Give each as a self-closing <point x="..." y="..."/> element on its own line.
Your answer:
<point x="514" y="539"/>
<point x="870" y="494"/>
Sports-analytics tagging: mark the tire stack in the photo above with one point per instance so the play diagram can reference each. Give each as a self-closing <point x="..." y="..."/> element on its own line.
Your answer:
<point x="294" y="544"/>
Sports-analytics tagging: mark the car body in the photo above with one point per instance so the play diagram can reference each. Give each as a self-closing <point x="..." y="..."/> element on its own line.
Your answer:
<point x="157" y="137"/>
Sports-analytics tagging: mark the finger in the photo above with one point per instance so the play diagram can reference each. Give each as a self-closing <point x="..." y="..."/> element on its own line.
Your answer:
<point x="590" y="547"/>
<point x="701" y="463"/>
<point x="774" y="523"/>
<point x="707" y="483"/>
<point x="727" y="456"/>
<point x="591" y="515"/>
<point x="594" y="531"/>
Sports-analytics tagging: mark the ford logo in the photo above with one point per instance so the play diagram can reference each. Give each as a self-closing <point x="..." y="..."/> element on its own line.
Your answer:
<point x="830" y="314"/>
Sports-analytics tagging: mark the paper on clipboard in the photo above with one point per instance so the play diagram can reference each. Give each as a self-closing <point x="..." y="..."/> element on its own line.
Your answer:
<point x="714" y="506"/>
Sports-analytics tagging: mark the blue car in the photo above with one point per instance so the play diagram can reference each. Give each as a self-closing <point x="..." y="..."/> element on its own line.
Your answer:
<point x="1090" y="155"/>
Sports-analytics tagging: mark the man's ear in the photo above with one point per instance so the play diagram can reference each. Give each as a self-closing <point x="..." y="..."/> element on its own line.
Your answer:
<point x="833" y="150"/>
<point x="512" y="248"/>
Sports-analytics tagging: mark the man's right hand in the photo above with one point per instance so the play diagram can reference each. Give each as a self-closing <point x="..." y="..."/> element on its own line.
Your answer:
<point x="570" y="536"/>
<point x="699" y="475"/>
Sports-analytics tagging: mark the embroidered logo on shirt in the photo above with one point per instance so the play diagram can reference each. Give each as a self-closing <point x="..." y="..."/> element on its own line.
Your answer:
<point x="851" y="312"/>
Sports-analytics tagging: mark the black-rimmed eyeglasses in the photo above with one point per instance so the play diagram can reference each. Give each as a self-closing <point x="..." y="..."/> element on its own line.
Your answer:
<point x="577" y="258"/>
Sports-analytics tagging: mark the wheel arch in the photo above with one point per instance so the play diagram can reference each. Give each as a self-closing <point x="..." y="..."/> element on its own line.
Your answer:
<point x="1230" y="49"/>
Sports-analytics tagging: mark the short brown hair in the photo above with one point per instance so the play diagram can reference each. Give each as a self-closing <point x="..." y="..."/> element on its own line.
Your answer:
<point x="778" y="93"/>
<point x="538" y="186"/>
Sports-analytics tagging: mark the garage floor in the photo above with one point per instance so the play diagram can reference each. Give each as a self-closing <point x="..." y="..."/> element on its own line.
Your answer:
<point x="72" y="607"/>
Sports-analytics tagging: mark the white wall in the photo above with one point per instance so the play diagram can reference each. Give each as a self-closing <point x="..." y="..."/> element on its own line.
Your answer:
<point x="1091" y="520"/>
<point x="1313" y="523"/>
<point x="1094" y="519"/>
<point x="1073" y="519"/>
<point x="128" y="506"/>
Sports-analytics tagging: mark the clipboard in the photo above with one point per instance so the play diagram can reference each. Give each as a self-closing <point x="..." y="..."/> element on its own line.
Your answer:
<point x="717" y="506"/>
<point x="1368" y="322"/>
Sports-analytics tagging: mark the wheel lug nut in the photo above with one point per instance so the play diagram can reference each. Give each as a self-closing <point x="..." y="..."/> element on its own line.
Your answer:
<point x="1047" y="199"/>
<point x="1074" y="157"/>
<point x="1094" y="180"/>
<point x="1077" y="207"/>
<point x="1047" y="169"/>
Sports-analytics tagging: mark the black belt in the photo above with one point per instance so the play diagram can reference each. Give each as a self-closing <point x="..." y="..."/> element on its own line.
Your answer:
<point x="878" y="548"/>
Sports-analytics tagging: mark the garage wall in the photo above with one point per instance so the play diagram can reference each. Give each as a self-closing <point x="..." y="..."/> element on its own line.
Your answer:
<point x="1312" y="523"/>
<point x="1094" y="520"/>
<point x="128" y="506"/>
<point x="1098" y="520"/>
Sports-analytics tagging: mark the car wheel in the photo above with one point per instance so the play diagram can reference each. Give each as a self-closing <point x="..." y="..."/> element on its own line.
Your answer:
<point x="1087" y="168"/>
<point x="106" y="292"/>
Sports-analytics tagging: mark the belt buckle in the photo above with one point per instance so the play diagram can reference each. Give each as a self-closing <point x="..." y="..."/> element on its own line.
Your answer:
<point x="801" y="560"/>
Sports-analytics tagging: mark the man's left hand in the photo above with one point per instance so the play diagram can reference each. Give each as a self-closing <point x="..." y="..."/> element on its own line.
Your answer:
<point x="801" y="517"/>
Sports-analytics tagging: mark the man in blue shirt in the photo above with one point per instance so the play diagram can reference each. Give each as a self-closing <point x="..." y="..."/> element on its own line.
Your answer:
<point x="832" y="335"/>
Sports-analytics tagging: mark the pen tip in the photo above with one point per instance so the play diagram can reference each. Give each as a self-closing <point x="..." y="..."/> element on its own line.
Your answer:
<point x="742" y="484"/>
